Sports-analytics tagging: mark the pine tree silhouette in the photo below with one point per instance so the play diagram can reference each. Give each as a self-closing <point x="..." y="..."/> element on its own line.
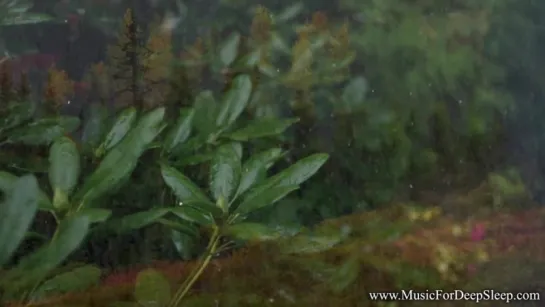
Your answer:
<point x="126" y="63"/>
<point x="157" y="65"/>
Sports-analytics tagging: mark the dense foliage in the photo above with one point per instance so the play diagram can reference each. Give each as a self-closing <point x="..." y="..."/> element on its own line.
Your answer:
<point x="193" y="133"/>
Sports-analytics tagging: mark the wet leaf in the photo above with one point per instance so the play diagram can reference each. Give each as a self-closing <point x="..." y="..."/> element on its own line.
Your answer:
<point x="255" y="169"/>
<point x="193" y="215"/>
<point x="6" y="184"/>
<point x="184" y="189"/>
<point x="119" y="130"/>
<point x="229" y="49"/>
<point x="263" y="196"/>
<point x="96" y="215"/>
<point x="235" y="100"/>
<point x="301" y="171"/>
<point x="64" y="169"/>
<point x="69" y="235"/>
<point x="225" y="171"/>
<point x="180" y="132"/>
<point x="262" y="128"/>
<point x="95" y="126"/>
<point x="205" y="113"/>
<point x="137" y="220"/>
<point x="121" y="160"/>
<point x="290" y="12"/>
<point x="44" y="131"/>
<point x="18" y="211"/>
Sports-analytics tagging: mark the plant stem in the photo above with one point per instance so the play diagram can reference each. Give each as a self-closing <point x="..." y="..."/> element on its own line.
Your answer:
<point x="186" y="286"/>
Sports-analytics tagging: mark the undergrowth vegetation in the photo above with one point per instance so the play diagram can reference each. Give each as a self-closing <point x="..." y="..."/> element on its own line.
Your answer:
<point x="286" y="155"/>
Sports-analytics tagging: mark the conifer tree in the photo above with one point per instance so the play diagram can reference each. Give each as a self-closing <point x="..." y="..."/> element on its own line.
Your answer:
<point x="58" y="89"/>
<point x="157" y="65"/>
<point x="126" y="65"/>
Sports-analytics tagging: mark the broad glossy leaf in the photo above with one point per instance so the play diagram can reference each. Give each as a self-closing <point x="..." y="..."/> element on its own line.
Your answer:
<point x="94" y="126"/>
<point x="6" y="184"/>
<point x="301" y="171"/>
<point x="122" y="125"/>
<point x="121" y="160"/>
<point x="235" y="100"/>
<point x="225" y="171"/>
<point x="69" y="235"/>
<point x="64" y="165"/>
<point x="206" y="110"/>
<point x="194" y="215"/>
<point x="261" y="197"/>
<point x="184" y="189"/>
<point x="180" y="132"/>
<point x="152" y="289"/>
<point x="17" y="213"/>
<point x="137" y="220"/>
<point x="255" y="169"/>
<point x="229" y="49"/>
<point x="262" y="128"/>
<point x="78" y="279"/>
<point x="252" y="232"/>
<point x="44" y="131"/>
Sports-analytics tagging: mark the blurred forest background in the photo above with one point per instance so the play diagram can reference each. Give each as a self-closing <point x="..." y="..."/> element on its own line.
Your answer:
<point x="432" y="104"/>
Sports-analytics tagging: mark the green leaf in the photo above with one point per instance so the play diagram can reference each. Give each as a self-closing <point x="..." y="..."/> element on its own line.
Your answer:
<point x="252" y="232"/>
<point x="27" y="18"/>
<point x="78" y="279"/>
<point x="185" y="190"/>
<point x="96" y="215"/>
<point x="18" y="211"/>
<point x="309" y="244"/>
<point x="64" y="169"/>
<point x="204" y="119"/>
<point x="94" y="126"/>
<point x="255" y="169"/>
<point x="137" y="220"/>
<point x="6" y="184"/>
<point x="123" y="124"/>
<point x="225" y="171"/>
<point x="229" y="49"/>
<point x="18" y="113"/>
<point x="290" y="12"/>
<point x="235" y="100"/>
<point x="271" y="189"/>
<point x="44" y="131"/>
<point x="354" y="94"/>
<point x="121" y="160"/>
<point x="68" y="237"/>
<point x="180" y="132"/>
<point x="194" y="215"/>
<point x="152" y="289"/>
<point x="261" y="197"/>
<point x="301" y="171"/>
<point x="262" y="128"/>
<point x="184" y="244"/>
